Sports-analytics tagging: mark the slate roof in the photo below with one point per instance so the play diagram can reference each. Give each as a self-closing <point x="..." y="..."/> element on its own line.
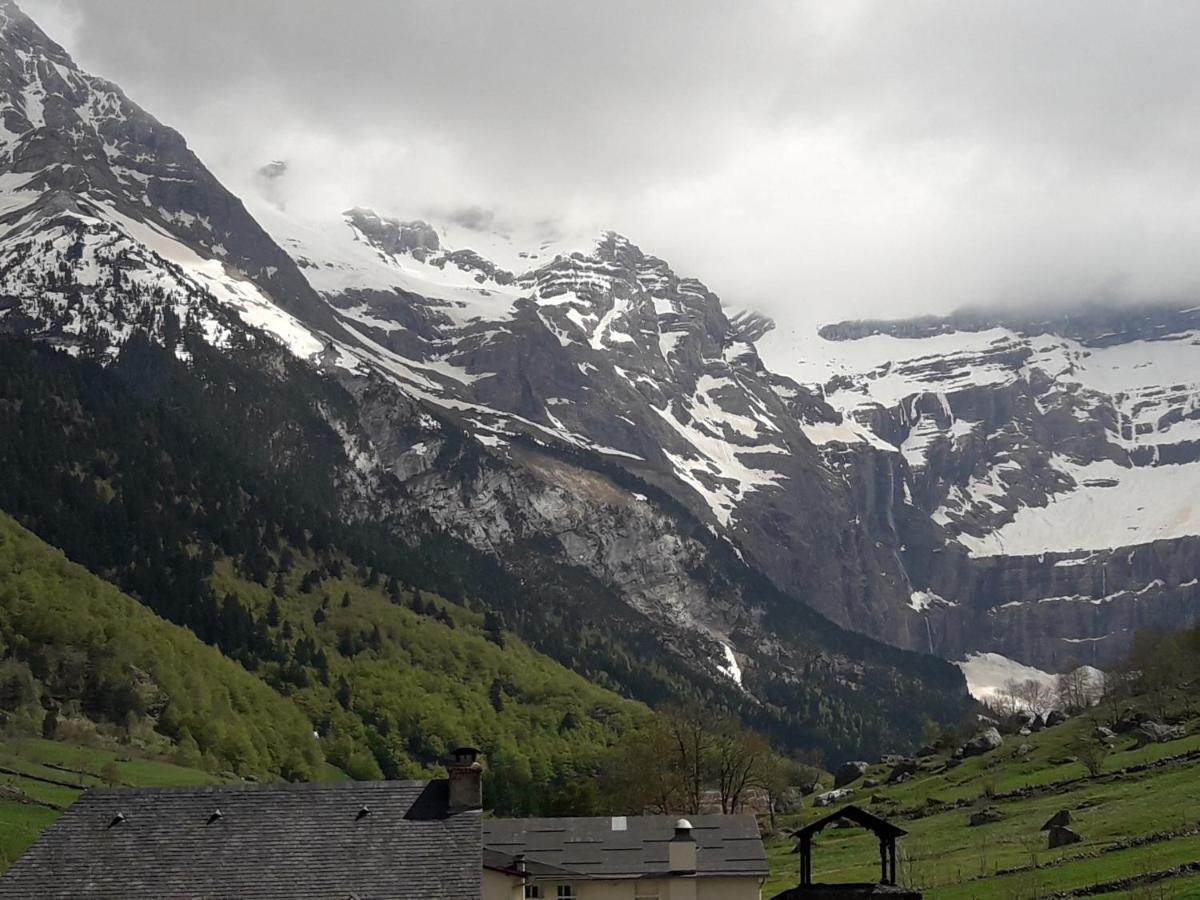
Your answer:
<point x="297" y="841"/>
<point x="591" y="847"/>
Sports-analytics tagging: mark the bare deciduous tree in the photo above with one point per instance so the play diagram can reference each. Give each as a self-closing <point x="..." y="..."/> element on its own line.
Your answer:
<point x="737" y="756"/>
<point x="1092" y="752"/>
<point x="1073" y="688"/>
<point x="1034" y="696"/>
<point x="691" y="732"/>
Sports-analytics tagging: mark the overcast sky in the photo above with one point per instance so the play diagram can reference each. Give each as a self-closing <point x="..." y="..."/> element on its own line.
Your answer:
<point x="832" y="159"/>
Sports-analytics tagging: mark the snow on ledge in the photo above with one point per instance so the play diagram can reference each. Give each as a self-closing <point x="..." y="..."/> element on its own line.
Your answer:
<point x="729" y="666"/>
<point x="919" y="601"/>
<point x="987" y="673"/>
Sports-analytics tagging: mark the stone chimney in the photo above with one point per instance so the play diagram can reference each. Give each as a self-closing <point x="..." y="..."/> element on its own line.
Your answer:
<point x="681" y="853"/>
<point x="466" y="780"/>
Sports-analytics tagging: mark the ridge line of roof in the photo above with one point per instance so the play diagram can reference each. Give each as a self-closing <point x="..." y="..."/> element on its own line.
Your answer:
<point x="253" y="787"/>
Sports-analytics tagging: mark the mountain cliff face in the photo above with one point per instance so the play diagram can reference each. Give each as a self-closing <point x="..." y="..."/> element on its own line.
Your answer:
<point x="608" y="351"/>
<point x="748" y="498"/>
<point x="593" y="424"/>
<point x="1048" y="466"/>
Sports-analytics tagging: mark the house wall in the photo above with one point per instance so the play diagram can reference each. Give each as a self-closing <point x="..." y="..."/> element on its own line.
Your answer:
<point x="729" y="889"/>
<point x="502" y="887"/>
<point x="498" y="886"/>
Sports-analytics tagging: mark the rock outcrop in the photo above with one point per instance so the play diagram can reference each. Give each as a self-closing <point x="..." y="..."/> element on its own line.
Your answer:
<point x="850" y="772"/>
<point x="1062" y="837"/>
<point x="1158" y="733"/>
<point x="986" y="741"/>
<point x="985" y="816"/>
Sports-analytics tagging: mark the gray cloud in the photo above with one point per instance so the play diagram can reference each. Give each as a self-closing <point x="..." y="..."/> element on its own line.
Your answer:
<point x="860" y="157"/>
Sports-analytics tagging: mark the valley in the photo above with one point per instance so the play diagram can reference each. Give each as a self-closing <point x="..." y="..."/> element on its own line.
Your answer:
<point x="339" y="494"/>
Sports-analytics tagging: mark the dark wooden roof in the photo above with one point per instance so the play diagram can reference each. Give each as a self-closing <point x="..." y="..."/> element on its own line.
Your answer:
<point x="594" y="848"/>
<point x="504" y="862"/>
<point x="333" y="841"/>
<point x="859" y="816"/>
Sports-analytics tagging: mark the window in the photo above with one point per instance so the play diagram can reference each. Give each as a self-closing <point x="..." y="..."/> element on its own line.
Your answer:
<point x="566" y="892"/>
<point x="646" y="890"/>
<point x="533" y="892"/>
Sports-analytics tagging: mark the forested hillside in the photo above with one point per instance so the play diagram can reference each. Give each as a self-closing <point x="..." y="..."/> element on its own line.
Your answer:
<point x="197" y="486"/>
<point x="78" y="654"/>
<point x="162" y="497"/>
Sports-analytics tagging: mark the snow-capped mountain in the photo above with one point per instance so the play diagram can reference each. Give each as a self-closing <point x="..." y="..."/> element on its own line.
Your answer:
<point x="573" y="411"/>
<point x="572" y="404"/>
<point x="108" y="221"/>
<point x="606" y="350"/>
<point x="1049" y="468"/>
<point x="973" y="484"/>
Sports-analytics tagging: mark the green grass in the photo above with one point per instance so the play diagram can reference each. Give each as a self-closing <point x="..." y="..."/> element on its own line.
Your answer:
<point x="21" y="823"/>
<point x="20" y="826"/>
<point x="32" y="754"/>
<point x="946" y="858"/>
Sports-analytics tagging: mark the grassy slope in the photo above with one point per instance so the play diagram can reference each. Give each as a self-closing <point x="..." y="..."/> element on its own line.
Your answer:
<point x="56" y="615"/>
<point x="425" y="687"/>
<point x="946" y="858"/>
<point x="428" y="679"/>
<point x="28" y="806"/>
<point x="428" y="687"/>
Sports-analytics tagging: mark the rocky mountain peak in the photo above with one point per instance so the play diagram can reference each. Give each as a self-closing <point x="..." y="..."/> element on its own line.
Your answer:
<point x="749" y="326"/>
<point x="416" y="238"/>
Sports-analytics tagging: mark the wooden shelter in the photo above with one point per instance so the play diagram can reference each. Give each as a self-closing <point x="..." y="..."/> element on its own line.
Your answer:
<point x="884" y="830"/>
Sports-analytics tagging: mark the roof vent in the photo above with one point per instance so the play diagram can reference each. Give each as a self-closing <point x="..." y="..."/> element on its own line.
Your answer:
<point x="216" y="816"/>
<point x="117" y="820"/>
<point x="620" y="823"/>
<point x="363" y="812"/>
<point x="681" y="851"/>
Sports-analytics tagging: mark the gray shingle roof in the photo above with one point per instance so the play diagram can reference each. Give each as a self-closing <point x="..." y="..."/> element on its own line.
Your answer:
<point x="299" y="841"/>
<point x="725" y="845"/>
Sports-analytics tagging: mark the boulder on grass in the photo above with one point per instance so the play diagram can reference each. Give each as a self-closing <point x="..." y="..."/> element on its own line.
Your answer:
<point x="1061" y="837"/>
<point x="831" y="797"/>
<point x="984" y="742"/>
<point x="1158" y="733"/>
<point x="1060" y="819"/>
<point x="1055" y="717"/>
<point x="1105" y="734"/>
<point x="902" y="770"/>
<point x="790" y="801"/>
<point x="985" y="816"/>
<point x="1012" y="724"/>
<point x="1129" y="720"/>
<point x="850" y="771"/>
